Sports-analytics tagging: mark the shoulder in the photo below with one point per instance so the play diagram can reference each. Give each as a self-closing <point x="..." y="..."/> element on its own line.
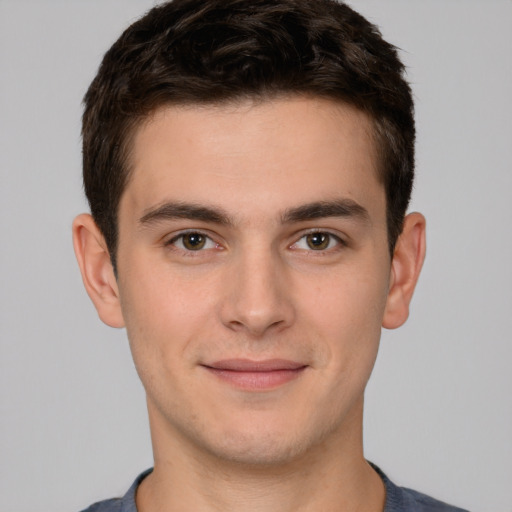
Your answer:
<point x="124" y="504"/>
<point x="402" y="499"/>
<point x="419" y="502"/>
<point x="112" y="505"/>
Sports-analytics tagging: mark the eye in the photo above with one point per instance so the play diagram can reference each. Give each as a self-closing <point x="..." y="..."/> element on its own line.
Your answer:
<point x="317" y="241"/>
<point x="192" y="241"/>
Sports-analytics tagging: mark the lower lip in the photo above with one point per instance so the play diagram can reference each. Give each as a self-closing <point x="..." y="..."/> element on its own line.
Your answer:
<point x="257" y="381"/>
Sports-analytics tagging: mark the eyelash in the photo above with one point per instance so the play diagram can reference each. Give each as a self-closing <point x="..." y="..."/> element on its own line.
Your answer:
<point x="339" y="242"/>
<point x="171" y="243"/>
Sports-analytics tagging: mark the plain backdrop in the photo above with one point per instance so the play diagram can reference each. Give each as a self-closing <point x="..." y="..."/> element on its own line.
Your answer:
<point x="438" y="408"/>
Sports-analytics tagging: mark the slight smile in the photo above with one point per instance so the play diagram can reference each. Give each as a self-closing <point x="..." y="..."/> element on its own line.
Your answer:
<point x="252" y="375"/>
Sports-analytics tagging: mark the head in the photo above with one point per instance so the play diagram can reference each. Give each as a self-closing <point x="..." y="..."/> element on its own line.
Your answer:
<point x="192" y="52"/>
<point x="248" y="166"/>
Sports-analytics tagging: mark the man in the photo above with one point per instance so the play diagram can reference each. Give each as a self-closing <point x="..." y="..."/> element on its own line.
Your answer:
<point x="248" y="166"/>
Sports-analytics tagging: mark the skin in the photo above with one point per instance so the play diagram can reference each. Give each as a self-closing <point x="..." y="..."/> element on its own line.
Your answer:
<point x="239" y="181"/>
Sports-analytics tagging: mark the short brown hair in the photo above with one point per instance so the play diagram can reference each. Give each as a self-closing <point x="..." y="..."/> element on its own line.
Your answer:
<point x="212" y="51"/>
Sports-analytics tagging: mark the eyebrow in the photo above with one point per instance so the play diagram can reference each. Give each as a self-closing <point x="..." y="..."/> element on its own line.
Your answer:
<point x="178" y="210"/>
<point x="322" y="209"/>
<point x="305" y="212"/>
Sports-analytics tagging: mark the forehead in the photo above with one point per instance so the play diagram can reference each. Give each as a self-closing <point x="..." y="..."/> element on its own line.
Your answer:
<point x="278" y="153"/>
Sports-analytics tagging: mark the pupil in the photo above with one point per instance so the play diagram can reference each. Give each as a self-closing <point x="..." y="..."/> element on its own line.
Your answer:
<point x="194" y="241"/>
<point x="318" y="240"/>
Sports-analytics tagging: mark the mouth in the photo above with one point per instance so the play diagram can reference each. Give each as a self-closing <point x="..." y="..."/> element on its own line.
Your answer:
<point x="252" y="375"/>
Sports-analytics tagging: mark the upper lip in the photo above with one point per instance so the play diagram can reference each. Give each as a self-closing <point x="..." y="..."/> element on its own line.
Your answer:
<point x="249" y="365"/>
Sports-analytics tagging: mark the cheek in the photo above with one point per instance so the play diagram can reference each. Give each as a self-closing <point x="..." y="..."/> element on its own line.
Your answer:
<point x="346" y="308"/>
<point x="163" y="316"/>
<point x="343" y="314"/>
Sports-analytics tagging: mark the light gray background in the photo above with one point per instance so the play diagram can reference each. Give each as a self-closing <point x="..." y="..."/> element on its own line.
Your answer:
<point x="439" y="409"/>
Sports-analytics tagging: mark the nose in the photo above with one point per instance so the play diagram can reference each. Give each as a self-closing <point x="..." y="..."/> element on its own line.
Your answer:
<point x="258" y="295"/>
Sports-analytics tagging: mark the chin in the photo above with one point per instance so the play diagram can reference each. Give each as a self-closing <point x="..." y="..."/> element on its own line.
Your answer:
<point x="258" y="450"/>
<point x="265" y="445"/>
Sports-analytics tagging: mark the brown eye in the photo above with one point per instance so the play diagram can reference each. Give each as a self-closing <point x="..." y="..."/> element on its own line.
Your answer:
<point x="193" y="241"/>
<point x="318" y="241"/>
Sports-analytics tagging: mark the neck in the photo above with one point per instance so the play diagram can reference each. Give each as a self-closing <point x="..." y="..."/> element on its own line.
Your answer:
<point x="330" y="476"/>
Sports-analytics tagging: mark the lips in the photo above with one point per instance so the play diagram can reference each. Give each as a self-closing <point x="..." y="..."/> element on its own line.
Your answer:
<point x="256" y="375"/>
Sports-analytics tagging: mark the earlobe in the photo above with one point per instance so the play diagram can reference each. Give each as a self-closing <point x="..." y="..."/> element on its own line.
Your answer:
<point x="96" y="268"/>
<point x="405" y="270"/>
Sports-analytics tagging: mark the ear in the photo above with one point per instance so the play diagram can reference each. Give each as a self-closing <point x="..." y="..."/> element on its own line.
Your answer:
<point x="96" y="268"/>
<point x="405" y="270"/>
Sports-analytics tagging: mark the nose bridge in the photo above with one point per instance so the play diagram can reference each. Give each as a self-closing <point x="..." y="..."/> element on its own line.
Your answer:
<point x="258" y="298"/>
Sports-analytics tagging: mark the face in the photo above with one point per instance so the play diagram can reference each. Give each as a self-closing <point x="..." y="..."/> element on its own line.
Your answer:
<point x="253" y="274"/>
